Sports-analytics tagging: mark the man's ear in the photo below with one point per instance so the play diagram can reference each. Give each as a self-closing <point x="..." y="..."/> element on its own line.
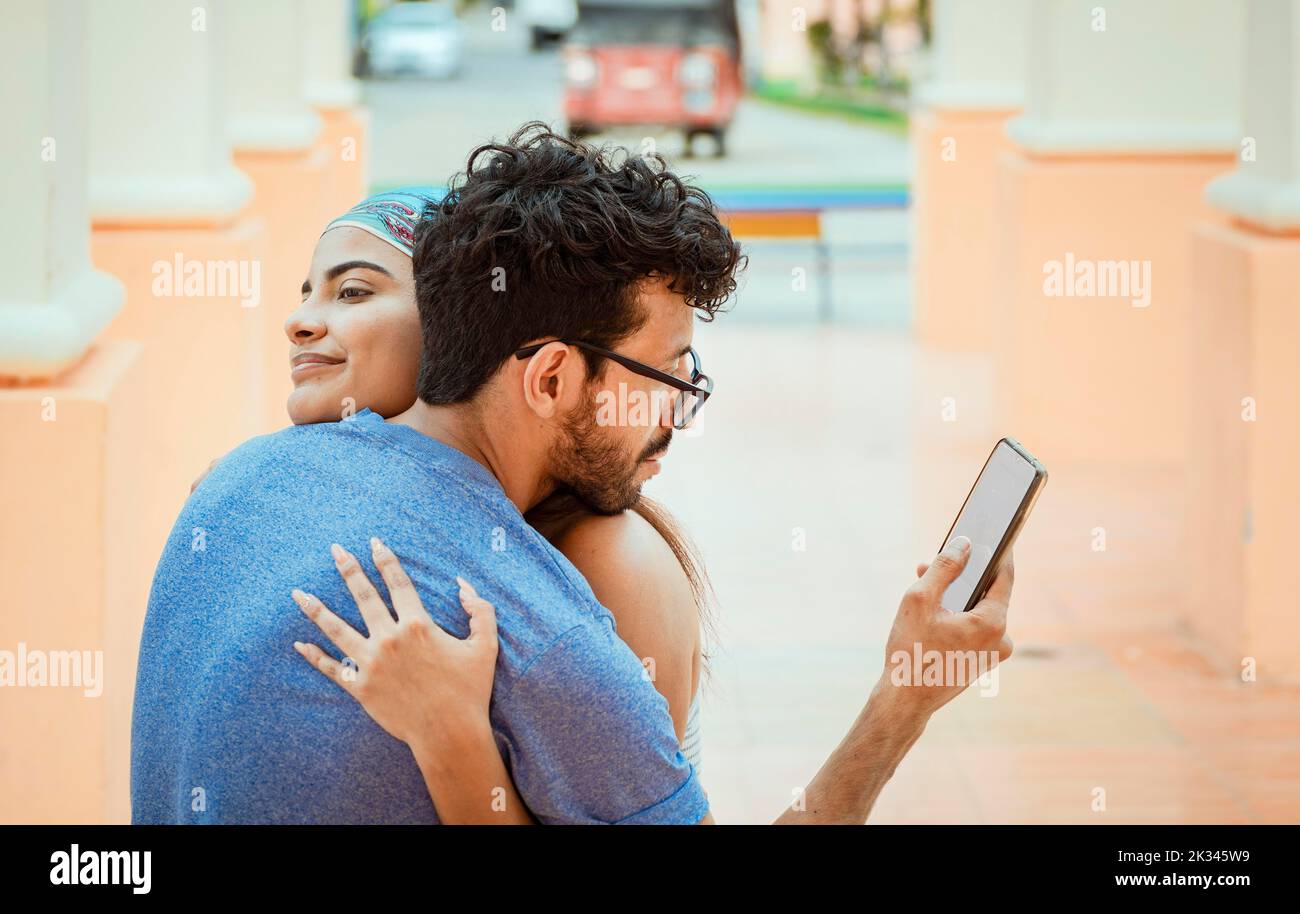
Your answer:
<point x="549" y="379"/>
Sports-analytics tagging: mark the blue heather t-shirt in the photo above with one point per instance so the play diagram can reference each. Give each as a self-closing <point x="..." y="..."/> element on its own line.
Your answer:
<point x="232" y="725"/>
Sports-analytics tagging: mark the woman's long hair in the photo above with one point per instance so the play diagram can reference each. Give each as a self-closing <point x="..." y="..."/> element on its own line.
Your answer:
<point x="553" y="516"/>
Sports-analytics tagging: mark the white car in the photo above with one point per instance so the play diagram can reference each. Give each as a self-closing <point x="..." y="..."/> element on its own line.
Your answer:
<point x="421" y="38"/>
<point x="547" y="20"/>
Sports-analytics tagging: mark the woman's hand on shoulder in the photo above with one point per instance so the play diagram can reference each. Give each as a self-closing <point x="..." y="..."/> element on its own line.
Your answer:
<point x="421" y="684"/>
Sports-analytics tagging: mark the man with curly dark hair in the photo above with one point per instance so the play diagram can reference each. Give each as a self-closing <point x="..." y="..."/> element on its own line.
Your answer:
<point x="574" y="251"/>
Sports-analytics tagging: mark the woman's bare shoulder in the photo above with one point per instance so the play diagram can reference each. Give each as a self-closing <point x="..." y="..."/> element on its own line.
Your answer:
<point x="631" y="569"/>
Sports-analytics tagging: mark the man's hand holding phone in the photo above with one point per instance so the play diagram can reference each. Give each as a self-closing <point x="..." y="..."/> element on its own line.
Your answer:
<point x="923" y="626"/>
<point x="846" y="787"/>
<point x="941" y="641"/>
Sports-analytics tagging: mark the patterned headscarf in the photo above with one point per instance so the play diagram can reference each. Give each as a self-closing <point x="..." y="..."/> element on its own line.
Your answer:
<point x="390" y="216"/>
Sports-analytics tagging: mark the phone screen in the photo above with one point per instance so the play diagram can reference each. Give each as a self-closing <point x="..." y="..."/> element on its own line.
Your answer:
<point x="984" y="519"/>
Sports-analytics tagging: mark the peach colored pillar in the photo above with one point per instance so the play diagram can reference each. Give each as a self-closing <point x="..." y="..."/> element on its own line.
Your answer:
<point x="54" y="303"/>
<point x="957" y="135"/>
<point x="166" y="205"/>
<point x="73" y="482"/>
<point x="1244" y="422"/>
<point x="330" y="88"/>
<point x="1115" y="147"/>
<point x="71" y="466"/>
<point x="274" y="133"/>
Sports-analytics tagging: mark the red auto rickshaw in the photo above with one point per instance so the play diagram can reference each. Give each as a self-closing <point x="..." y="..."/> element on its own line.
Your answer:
<point x="660" y="63"/>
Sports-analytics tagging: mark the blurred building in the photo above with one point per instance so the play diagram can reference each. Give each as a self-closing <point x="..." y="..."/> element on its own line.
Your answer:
<point x="887" y="36"/>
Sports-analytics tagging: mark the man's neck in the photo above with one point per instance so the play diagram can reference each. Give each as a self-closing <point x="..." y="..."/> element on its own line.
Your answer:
<point x="460" y="426"/>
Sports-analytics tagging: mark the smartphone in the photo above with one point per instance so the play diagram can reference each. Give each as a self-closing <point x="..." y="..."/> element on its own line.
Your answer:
<point x="991" y="517"/>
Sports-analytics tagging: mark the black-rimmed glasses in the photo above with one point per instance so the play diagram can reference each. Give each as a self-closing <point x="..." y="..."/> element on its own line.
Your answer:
<point x="690" y="395"/>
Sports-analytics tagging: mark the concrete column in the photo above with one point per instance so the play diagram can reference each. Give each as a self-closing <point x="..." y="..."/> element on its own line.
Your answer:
<point x="156" y="118"/>
<point x="262" y="71"/>
<point x="275" y="134"/>
<point x="328" y="85"/>
<point x="168" y="213"/>
<point x="54" y="304"/>
<point x="979" y="54"/>
<point x="1263" y="191"/>
<point x="72" y="482"/>
<point x="1133" y="76"/>
<point x="327" y="53"/>
<point x="1244" y="380"/>
<point x="1132" y="108"/>
<point x="976" y="83"/>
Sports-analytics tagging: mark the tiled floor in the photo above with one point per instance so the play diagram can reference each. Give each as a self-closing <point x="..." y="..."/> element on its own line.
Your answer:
<point x="1107" y="714"/>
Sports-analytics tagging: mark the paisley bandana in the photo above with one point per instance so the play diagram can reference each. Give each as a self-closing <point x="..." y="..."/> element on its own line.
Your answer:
<point x="390" y="216"/>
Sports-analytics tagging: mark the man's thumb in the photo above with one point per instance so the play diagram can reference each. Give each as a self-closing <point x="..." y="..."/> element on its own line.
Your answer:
<point x="947" y="565"/>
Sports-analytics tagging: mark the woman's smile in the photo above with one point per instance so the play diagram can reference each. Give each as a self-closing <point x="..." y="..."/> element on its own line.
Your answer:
<point x="308" y="364"/>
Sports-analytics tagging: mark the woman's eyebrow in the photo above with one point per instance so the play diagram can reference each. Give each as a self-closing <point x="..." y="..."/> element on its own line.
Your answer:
<point x="342" y="268"/>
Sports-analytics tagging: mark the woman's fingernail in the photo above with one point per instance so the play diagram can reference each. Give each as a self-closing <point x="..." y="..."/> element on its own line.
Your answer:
<point x="465" y="589"/>
<point x="959" y="544"/>
<point x="299" y="597"/>
<point x="337" y="551"/>
<point x="297" y="645"/>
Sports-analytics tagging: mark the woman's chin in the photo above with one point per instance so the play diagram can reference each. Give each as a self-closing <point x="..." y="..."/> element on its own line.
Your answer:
<point x="308" y="405"/>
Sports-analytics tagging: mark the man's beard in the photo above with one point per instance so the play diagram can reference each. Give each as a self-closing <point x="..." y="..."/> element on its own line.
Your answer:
<point x="596" y="467"/>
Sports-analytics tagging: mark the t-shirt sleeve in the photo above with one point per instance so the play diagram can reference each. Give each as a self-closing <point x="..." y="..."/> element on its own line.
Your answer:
<point x="591" y="741"/>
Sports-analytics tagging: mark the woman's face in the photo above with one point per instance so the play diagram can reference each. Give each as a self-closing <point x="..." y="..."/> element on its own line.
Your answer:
<point x="355" y="339"/>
